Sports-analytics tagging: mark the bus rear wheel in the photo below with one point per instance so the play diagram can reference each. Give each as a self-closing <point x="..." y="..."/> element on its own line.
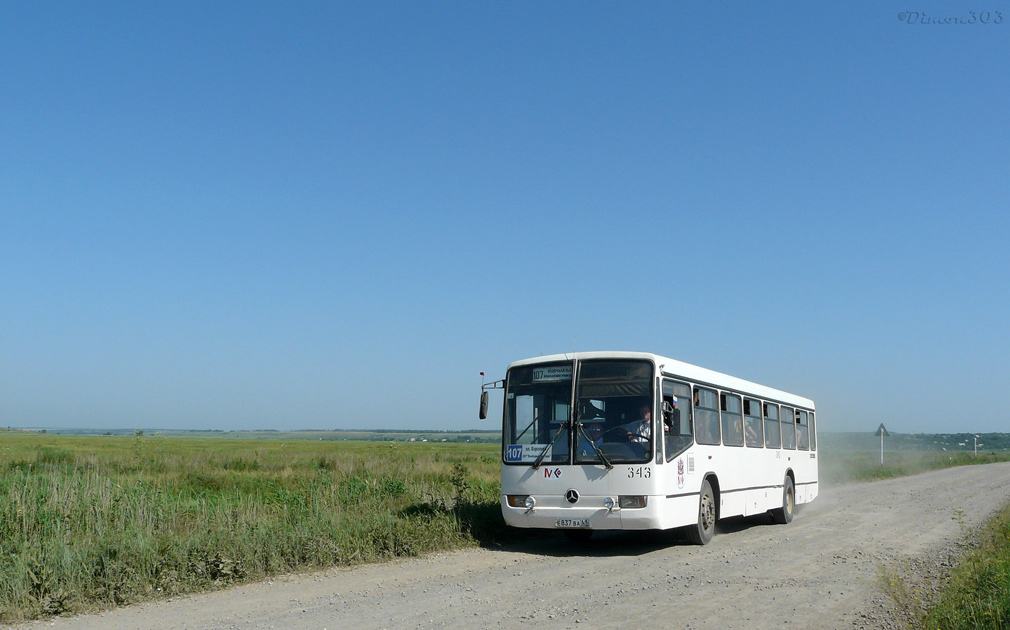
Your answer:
<point x="701" y="532"/>
<point x="784" y="514"/>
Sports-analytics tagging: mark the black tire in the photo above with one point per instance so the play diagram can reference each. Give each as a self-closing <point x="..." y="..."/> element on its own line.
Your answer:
<point x="701" y="532"/>
<point x="784" y="514"/>
<point x="578" y="535"/>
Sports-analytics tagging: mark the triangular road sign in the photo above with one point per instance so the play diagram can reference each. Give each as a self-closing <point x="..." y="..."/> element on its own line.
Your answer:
<point x="881" y="431"/>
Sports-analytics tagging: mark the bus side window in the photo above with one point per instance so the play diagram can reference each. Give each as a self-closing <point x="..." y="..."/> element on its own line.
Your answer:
<point x="813" y="433"/>
<point x="788" y="428"/>
<point x="773" y="433"/>
<point x="732" y="420"/>
<point x="752" y="423"/>
<point x="706" y="416"/>
<point x="802" y="430"/>
<point x="677" y="426"/>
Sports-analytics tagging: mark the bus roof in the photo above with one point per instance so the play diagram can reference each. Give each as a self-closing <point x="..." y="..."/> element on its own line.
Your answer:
<point x="686" y="371"/>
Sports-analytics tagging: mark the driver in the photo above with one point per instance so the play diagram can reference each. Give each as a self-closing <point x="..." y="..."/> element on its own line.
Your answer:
<point x="640" y="430"/>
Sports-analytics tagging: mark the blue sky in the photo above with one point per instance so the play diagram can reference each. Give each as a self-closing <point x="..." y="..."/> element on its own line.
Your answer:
<point x="335" y="215"/>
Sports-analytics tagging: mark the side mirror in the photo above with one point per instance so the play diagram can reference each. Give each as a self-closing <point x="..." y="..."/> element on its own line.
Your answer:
<point x="483" y="405"/>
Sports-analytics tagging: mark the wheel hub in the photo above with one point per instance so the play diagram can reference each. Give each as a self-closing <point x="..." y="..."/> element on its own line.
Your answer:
<point x="707" y="511"/>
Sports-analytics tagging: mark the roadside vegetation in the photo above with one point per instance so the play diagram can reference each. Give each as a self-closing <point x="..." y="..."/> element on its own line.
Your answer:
<point x="977" y="595"/>
<point x="853" y="457"/>
<point x="853" y="466"/>
<point x="93" y="522"/>
<point x="974" y="595"/>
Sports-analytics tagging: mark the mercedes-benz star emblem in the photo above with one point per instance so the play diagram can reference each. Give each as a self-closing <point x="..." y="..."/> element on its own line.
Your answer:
<point x="572" y="496"/>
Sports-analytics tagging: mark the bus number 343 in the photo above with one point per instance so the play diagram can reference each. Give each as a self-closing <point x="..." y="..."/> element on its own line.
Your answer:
<point x="640" y="472"/>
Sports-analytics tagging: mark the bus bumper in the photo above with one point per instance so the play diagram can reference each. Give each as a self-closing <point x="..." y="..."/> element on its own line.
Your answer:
<point x="554" y="512"/>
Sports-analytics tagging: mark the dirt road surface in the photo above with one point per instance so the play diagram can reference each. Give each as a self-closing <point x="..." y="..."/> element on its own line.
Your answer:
<point x="817" y="572"/>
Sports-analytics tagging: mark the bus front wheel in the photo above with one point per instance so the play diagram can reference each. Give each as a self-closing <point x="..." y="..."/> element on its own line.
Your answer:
<point x="701" y="532"/>
<point x="784" y="514"/>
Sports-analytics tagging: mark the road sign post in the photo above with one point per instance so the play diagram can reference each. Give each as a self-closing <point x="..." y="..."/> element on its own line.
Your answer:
<point x="882" y="432"/>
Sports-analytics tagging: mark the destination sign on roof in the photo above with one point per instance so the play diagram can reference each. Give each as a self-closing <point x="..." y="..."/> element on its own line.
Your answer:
<point x="552" y="373"/>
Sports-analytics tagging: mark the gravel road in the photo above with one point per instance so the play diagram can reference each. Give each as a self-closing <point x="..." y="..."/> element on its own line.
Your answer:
<point x="817" y="572"/>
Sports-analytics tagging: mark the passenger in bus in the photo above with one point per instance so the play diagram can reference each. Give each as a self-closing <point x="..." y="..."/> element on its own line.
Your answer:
<point x="700" y="430"/>
<point x="733" y="432"/>
<point x="752" y="436"/>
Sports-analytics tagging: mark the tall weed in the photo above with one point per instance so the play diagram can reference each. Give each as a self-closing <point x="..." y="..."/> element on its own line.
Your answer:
<point x="93" y="522"/>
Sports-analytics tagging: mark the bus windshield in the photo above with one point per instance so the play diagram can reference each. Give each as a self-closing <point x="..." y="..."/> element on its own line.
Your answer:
<point x="613" y="419"/>
<point x="614" y="408"/>
<point x="536" y="413"/>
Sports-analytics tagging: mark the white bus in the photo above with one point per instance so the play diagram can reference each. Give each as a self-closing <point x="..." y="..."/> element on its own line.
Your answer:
<point x="631" y="441"/>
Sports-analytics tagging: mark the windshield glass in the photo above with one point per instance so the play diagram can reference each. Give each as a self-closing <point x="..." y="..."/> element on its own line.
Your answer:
<point x="615" y="411"/>
<point x="536" y="410"/>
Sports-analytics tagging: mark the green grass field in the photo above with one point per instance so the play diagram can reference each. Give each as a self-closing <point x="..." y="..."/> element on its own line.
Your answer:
<point x="92" y="522"/>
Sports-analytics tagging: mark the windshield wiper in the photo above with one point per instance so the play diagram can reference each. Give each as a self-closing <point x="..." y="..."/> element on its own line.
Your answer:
<point x="603" y="458"/>
<point x="540" y="458"/>
<point x="526" y="429"/>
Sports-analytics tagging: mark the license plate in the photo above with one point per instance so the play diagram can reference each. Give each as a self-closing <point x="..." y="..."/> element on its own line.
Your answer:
<point x="572" y="522"/>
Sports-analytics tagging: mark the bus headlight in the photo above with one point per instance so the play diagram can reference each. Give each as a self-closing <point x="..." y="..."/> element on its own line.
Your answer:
<point x="608" y="503"/>
<point x="529" y="503"/>
<point x="633" y="501"/>
<point x="518" y="500"/>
